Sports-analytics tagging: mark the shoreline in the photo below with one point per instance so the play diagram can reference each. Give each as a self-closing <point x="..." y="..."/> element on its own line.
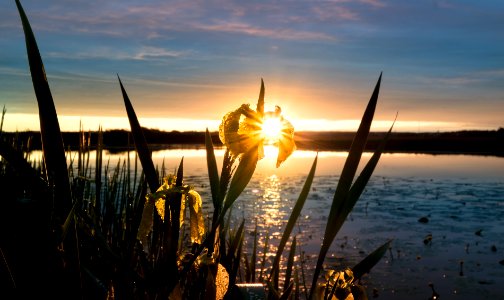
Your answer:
<point x="487" y="143"/>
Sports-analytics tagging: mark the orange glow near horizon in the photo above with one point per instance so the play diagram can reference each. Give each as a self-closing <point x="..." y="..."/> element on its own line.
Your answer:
<point x="29" y="122"/>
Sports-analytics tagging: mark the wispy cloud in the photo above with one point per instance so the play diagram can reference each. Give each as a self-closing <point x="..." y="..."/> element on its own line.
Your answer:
<point x="145" y="53"/>
<point x="333" y="12"/>
<point x="374" y="3"/>
<point x="156" y="53"/>
<point x="465" y="79"/>
<point x="281" y="33"/>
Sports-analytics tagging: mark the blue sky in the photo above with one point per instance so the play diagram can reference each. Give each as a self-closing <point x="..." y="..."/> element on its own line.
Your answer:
<point x="186" y="63"/>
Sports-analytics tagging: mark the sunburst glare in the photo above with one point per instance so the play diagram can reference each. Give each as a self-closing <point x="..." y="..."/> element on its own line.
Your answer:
<point x="271" y="130"/>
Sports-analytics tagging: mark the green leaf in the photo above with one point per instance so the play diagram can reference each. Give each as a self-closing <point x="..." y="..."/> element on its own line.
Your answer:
<point x="360" y="183"/>
<point x="241" y="177"/>
<point x="52" y="143"/>
<point x="287" y="291"/>
<point x="98" y="172"/>
<point x="254" y="255"/>
<point x="336" y="214"/>
<point x="144" y="153"/>
<point x="296" y="211"/>
<point x="213" y="174"/>
<point x="180" y="173"/>
<point x="236" y="251"/>
<point x="260" y="101"/>
<point x="290" y="263"/>
<point x="370" y="261"/>
<point x="68" y="221"/>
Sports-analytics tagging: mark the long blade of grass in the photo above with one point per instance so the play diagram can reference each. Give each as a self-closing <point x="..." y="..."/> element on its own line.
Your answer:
<point x="254" y="255"/>
<point x="260" y="100"/>
<point x="235" y="240"/>
<point x="213" y="174"/>
<point x="52" y="142"/>
<point x="236" y="252"/>
<point x="8" y="269"/>
<point x="241" y="177"/>
<point x="140" y="143"/>
<point x="98" y="172"/>
<point x="290" y="263"/>
<point x="264" y="256"/>
<point x="1" y="122"/>
<point x="345" y="182"/>
<point x="360" y="183"/>
<point x="68" y="221"/>
<point x="370" y="261"/>
<point x="287" y="292"/>
<point x="296" y="211"/>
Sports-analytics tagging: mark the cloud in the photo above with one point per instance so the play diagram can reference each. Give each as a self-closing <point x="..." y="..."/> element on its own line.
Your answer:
<point x="466" y="79"/>
<point x="374" y="3"/>
<point x="283" y="34"/>
<point x="156" y="53"/>
<point x="145" y="53"/>
<point x="332" y="12"/>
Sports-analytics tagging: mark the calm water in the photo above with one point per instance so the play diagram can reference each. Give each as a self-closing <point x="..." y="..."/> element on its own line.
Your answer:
<point x="461" y="196"/>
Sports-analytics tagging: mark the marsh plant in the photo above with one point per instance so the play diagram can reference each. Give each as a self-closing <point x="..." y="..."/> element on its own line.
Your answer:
<point x="78" y="235"/>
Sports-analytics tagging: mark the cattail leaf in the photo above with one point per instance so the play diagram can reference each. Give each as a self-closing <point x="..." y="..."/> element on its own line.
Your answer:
<point x="52" y="142"/>
<point x="144" y="153"/>
<point x="260" y="101"/>
<point x="94" y="279"/>
<point x="237" y="257"/>
<point x="235" y="241"/>
<point x="370" y="261"/>
<point x="336" y="214"/>
<point x="254" y="255"/>
<point x="68" y="221"/>
<point x="273" y="293"/>
<point x="263" y="260"/>
<point x="213" y="173"/>
<point x="296" y="211"/>
<point x="241" y="177"/>
<point x="180" y="173"/>
<point x="287" y="291"/>
<point x="98" y="171"/>
<point x="290" y="264"/>
<point x="1" y="122"/>
<point x="360" y="183"/>
<point x="297" y="293"/>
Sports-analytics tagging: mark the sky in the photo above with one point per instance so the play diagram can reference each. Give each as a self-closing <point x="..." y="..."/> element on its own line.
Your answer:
<point x="185" y="64"/>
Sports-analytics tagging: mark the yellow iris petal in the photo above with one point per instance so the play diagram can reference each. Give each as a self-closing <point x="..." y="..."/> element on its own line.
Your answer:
<point x="197" y="224"/>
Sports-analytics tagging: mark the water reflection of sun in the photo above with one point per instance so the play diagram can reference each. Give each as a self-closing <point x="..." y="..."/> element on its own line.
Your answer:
<point x="271" y="214"/>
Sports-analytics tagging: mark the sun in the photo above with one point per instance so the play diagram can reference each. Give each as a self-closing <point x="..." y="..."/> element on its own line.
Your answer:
<point x="271" y="130"/>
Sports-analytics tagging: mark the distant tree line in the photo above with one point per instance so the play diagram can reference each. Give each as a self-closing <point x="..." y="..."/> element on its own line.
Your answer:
<point x="483" y="142"/>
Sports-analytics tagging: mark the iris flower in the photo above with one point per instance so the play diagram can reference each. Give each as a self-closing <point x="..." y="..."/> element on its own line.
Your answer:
<point x="245" y="128"/>
<point x="190" y="199"/>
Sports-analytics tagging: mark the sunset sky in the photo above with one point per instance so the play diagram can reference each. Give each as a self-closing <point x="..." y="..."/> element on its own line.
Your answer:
<point x="185" y="64"/>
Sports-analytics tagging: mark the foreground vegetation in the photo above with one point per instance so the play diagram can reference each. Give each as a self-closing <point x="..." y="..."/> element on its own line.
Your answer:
<point x="76" y="231"/>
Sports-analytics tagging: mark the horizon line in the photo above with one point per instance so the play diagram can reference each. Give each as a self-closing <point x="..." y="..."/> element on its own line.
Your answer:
<point x="30" y="122"/>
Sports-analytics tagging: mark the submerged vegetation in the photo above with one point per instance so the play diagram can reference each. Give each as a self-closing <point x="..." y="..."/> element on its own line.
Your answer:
<point x="120" y="232"/>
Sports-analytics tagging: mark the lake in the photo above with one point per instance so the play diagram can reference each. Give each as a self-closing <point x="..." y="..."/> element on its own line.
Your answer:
<point x="457" y="248"/>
